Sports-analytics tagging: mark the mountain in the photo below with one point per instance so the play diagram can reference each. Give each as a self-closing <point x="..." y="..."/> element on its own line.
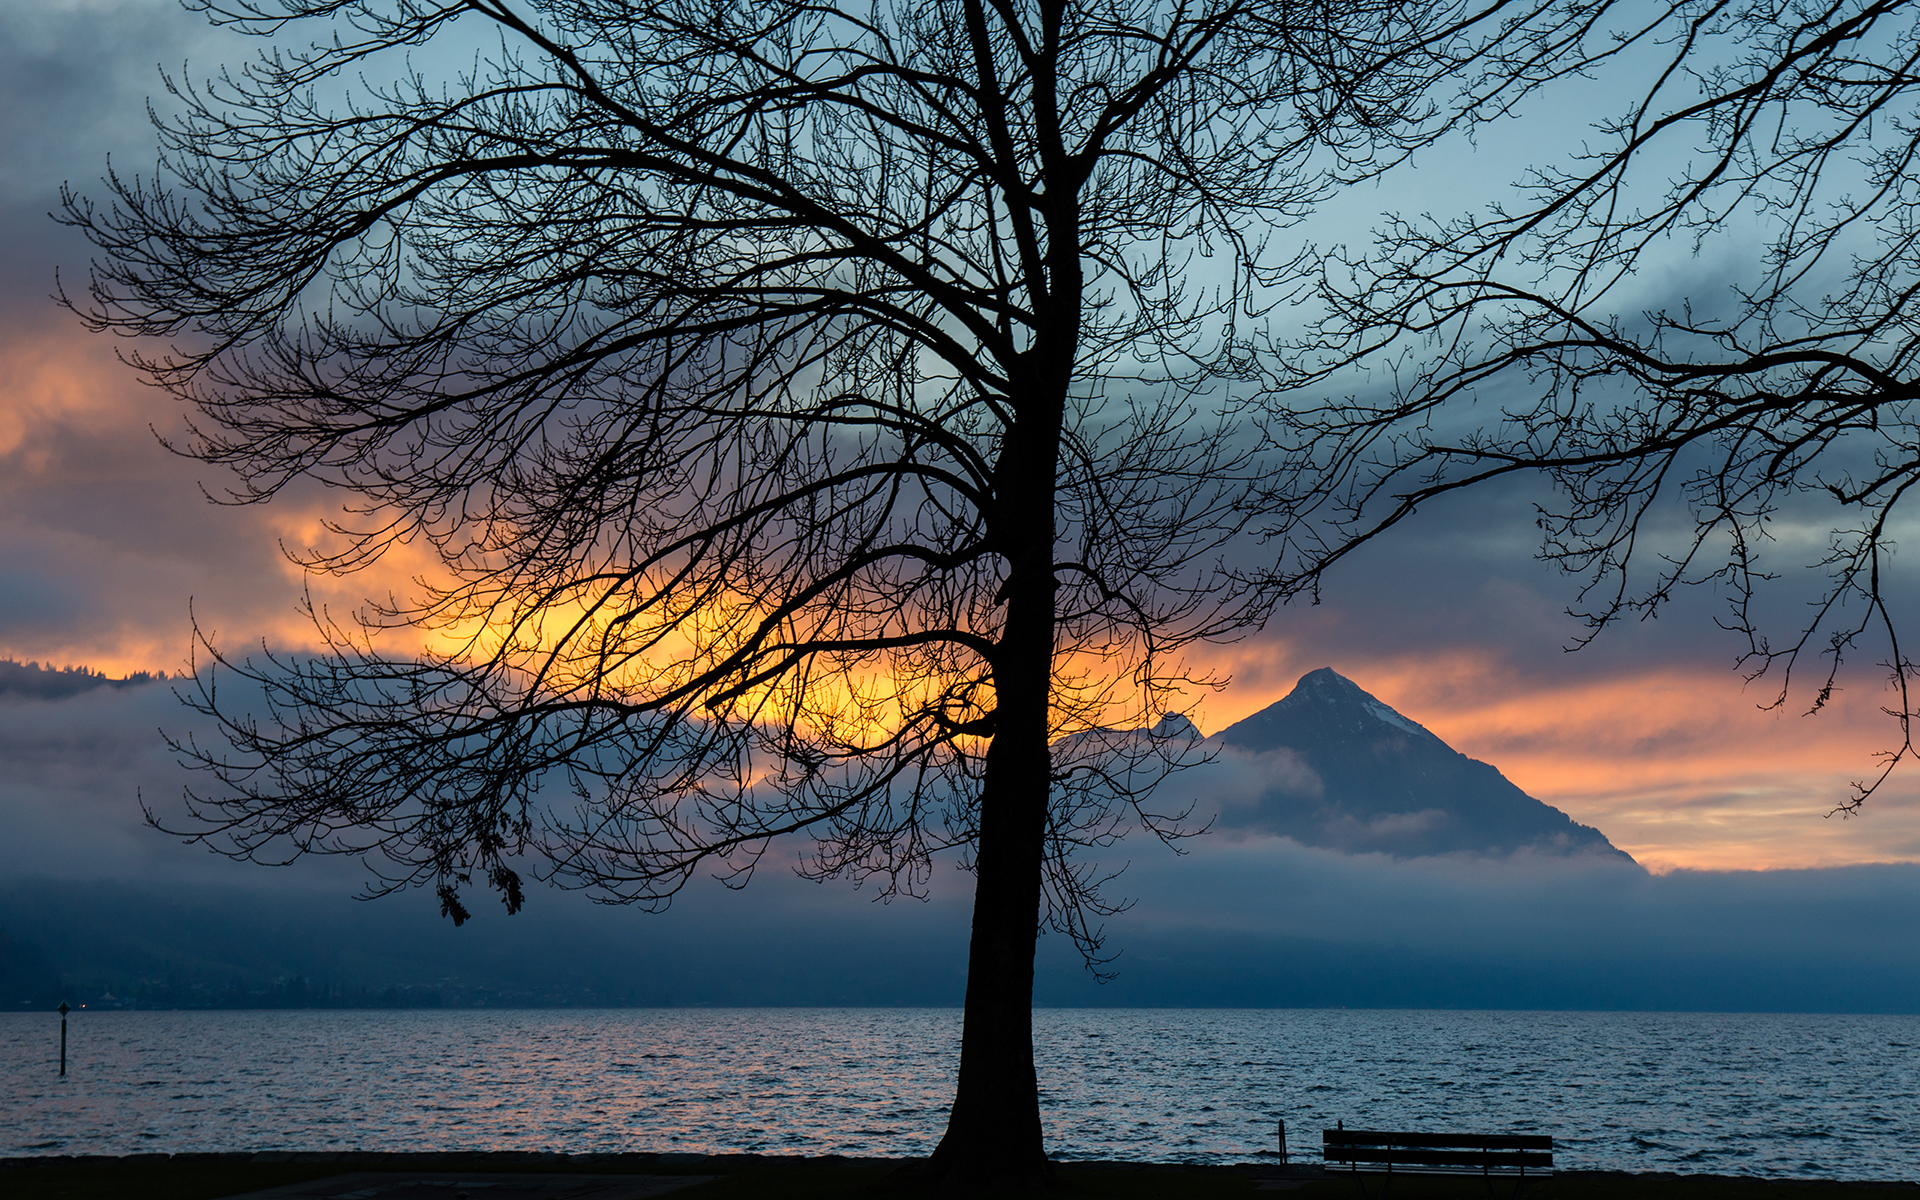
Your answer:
<point x="1332" y="766"/>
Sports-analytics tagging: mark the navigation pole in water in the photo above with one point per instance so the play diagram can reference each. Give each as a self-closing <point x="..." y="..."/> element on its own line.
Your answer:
<point x="64" y="1010"/>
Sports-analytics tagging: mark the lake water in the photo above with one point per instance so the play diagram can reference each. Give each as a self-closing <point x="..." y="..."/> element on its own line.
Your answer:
<point x="1833" y="1096"/>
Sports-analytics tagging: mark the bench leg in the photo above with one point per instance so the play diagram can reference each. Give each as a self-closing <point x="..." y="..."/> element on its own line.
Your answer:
<point x="1360" y="1181"/>
<point x="1519" y="1182"/>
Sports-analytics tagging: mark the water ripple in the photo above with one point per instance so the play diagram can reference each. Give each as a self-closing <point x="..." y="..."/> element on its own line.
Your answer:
<point x="1766" y="1094"/>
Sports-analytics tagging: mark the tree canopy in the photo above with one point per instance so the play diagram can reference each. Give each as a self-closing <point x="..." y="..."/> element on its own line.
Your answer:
<point x="827" y="422"/>
<point x="1767" y="391"/>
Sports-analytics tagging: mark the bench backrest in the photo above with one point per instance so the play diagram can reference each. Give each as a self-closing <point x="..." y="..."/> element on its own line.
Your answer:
<point x="1458" y="1151"/>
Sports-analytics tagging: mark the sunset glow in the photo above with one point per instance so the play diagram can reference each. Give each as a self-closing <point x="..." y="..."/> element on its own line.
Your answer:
<point x="1677" y="764"/>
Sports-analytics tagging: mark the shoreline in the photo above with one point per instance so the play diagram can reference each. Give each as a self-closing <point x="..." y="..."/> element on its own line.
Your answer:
<point x="676" y="1162"/>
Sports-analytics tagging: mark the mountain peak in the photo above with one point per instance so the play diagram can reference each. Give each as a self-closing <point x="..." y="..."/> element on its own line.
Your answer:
<point x="1386" y="783"/>
<point x="1326" y="692"/>
<point x="1175" y="725"/>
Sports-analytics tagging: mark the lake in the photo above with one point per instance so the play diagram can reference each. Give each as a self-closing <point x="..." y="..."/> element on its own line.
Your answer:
<point x="1767" y="1094"/>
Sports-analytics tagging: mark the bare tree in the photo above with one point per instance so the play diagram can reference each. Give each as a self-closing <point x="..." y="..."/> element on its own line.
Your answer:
<point x="1752" y="400"/>
<point x="827" y="422"/>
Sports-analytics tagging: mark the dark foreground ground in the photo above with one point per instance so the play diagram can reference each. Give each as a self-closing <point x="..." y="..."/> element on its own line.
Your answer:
<point x="753" y="1177"/>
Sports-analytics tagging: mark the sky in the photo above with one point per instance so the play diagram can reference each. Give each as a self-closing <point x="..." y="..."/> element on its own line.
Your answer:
<point x="109" y="550"/>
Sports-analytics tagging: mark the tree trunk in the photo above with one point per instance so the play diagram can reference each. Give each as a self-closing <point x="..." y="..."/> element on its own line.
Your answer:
<point x="993" y="1136"/>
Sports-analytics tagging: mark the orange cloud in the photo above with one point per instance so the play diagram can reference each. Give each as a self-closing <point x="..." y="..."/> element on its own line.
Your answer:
<point x="106" y="538"/>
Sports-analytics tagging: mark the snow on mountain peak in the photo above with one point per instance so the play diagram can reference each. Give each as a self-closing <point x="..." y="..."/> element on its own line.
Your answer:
<point x="1328" y="687"/>
<point x="1393" y="718"/>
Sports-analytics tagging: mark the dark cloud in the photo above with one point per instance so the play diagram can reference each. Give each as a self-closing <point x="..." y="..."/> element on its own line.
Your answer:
<point x="32" y="598"/>
<point x="1274" y="923"/>
<point x="75" y="82"/>
<point x="76" y="770"/>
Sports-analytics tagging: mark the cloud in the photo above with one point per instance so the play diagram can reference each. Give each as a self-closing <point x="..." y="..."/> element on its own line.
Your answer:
<point x="75" y="82"/>
<point x="105" y="539"/>
<point x="77" y="770"/>
<point x="105" y="542"/>
<point x="1238" y="781"/>
<point x="74" y="79"/>
<point x="109" y="548"/>
<point x="1258" y="922"/>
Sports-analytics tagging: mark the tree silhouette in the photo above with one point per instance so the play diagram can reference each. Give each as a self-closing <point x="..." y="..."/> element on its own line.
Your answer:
<point x="828" y="423"/>
<point x="1752" y="399"/>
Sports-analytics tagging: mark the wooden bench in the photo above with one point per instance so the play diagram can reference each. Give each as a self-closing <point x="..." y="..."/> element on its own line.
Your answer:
<point x="1505" y="1155"/>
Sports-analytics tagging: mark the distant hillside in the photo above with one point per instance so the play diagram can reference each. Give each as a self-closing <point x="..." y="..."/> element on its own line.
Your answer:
<point x="144" y="945"/>
<point x="1228" y="925"/>
<point x="30" y="680"/>
<point x="1348" y="773"/>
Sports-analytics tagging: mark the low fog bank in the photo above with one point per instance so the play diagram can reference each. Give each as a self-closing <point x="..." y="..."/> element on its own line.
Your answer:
<point x="1263" y="923"/>
<point x="1272" y="925"/>
<point x="96" y="903"/>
